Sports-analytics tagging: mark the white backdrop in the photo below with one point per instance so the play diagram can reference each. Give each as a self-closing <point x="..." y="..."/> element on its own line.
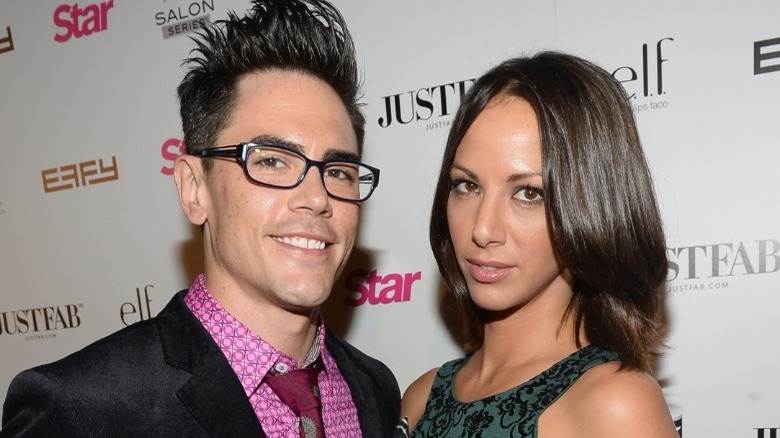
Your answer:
<point x="92" y="237"/>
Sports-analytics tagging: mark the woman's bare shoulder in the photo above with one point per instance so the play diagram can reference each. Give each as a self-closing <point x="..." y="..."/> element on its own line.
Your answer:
<point x="609" y="402"/>
<point x="415" y="397"/>
<point x="623" y="403"/>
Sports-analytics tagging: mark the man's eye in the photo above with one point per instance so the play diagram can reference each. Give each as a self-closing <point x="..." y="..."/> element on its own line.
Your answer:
<point x="268" y="161"/>
<point x="342" y="173"/>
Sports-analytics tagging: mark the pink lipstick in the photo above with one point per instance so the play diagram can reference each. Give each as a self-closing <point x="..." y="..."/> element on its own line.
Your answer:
<point x="487" y="272"/>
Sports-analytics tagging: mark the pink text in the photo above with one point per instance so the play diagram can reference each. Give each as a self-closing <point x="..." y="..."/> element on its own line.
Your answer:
<point x="171" y="148"/>
<point x="77" y="22"/>
<point x="379" y="289"/>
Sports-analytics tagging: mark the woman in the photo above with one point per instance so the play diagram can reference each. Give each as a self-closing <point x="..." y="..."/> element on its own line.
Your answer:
<point x="546" y="230"/>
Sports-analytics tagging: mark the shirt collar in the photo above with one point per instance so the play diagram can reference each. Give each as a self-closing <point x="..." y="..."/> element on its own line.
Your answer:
<point x="202" y="303"/>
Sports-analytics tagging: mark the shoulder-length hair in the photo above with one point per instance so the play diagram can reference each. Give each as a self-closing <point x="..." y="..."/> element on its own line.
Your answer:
<point x="599" y="201"/>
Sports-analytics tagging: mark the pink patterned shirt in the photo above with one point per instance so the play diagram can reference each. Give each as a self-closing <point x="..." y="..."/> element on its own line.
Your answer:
<point x="252" y="358"/>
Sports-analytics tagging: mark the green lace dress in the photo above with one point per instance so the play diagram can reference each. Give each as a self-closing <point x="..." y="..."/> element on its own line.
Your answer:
<point x="512" y="413"/>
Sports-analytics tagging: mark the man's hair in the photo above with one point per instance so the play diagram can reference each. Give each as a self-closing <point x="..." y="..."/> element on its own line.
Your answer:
<point x="305" y="36"/>
<point x="599" y="201"/>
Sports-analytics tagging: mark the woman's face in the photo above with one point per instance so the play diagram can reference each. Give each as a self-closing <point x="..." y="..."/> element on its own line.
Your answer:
<point x="496" y="211"/>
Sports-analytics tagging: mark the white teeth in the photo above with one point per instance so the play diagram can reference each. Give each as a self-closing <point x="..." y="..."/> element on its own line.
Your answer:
<point x="302" y="242"/>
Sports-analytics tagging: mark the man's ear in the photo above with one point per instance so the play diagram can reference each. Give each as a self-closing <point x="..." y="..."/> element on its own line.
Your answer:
<point x="190" y="180"/>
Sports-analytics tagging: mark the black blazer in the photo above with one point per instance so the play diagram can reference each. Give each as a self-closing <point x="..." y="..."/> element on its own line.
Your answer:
<point x="166" y="377"/>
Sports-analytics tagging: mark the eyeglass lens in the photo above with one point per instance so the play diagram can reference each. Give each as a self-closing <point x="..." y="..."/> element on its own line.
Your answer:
<point x="282" y="168"/>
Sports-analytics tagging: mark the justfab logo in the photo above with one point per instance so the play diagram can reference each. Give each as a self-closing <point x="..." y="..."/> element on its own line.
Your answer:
<point x="373" y="288"/>
<point x="78" y="22"/>
<point x="424" y="103"/>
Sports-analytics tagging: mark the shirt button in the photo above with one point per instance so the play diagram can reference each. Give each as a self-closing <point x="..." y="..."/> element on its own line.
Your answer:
<point x="281" y="368"/>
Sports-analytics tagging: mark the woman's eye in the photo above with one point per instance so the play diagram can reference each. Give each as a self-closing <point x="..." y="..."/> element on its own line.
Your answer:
<point x="529" y="194"/>
<point x="464" y="187"/>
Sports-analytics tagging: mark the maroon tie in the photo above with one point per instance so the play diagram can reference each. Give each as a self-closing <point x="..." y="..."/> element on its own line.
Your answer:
<point x="298" y="389"/>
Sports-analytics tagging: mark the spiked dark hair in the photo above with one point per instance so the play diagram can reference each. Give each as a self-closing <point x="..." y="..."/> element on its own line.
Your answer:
<point x="304" y="36"/>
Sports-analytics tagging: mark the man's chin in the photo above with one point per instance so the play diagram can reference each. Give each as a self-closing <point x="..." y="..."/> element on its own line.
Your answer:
<point x="305" y="303"/>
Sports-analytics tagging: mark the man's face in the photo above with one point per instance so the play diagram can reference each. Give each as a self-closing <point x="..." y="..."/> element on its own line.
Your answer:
<point x="263" y="243"/>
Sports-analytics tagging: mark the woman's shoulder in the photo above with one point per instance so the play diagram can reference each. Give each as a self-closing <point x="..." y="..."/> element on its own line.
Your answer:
<point x="615" y="387"/>
<point x="608" y="401"/>
<point x="416" y="396"/>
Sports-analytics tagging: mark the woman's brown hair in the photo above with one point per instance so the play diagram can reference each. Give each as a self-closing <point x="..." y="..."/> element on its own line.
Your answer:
<point x="599" y="201"/>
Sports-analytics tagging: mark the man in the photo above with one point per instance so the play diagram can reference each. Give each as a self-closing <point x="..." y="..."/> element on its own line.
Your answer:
<point x="272" y="175"/>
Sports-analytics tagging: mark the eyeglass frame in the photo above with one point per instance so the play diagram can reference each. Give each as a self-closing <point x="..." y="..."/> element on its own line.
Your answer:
<point x="239" y="152"/>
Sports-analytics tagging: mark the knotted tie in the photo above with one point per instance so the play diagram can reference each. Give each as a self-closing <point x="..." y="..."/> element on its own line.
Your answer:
<point x="298" y="389"/>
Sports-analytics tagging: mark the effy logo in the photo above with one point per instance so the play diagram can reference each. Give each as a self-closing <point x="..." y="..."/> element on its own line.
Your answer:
<point x="79" y="175"/>
<point x="766" y="56"/>
<point x="7" y="42"/>
<point x="171" y="149"/>
<point x="423" y="104"/>
<point x="185" y="18"/>
<point x="632" y="76"/>
<point x="76" y="22"/>
<point x="372" y="288"/>
<point x="37" y="322"/>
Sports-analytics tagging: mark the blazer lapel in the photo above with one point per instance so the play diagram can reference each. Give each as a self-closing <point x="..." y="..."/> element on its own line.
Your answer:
<point x="213" y="394"/>
<point x="370" y="413"/>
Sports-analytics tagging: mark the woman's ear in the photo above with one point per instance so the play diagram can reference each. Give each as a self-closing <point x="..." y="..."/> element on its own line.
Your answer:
<point x="189" y="175"/>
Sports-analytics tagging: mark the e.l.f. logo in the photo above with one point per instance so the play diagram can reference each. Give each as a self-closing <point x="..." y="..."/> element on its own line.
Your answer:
<point x="632" y="74"/>
<point x="131" y="309"/>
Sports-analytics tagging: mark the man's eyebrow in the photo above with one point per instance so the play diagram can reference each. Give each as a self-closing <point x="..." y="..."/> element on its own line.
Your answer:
<point x="330" y="154"/>
<point x="340" y="155"/>
<point x="272" y="140"/>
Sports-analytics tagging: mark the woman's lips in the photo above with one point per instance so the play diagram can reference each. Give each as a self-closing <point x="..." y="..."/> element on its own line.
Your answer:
<point x="488" y="272"/>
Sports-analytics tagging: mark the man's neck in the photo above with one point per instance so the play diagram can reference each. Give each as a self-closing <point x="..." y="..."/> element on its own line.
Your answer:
<point x="290" y="331"/>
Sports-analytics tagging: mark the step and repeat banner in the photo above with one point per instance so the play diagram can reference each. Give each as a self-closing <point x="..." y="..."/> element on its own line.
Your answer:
<point x="92" y="237"/>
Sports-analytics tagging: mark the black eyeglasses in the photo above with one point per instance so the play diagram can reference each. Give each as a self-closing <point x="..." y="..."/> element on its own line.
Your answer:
<point x="277" y="166"/>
